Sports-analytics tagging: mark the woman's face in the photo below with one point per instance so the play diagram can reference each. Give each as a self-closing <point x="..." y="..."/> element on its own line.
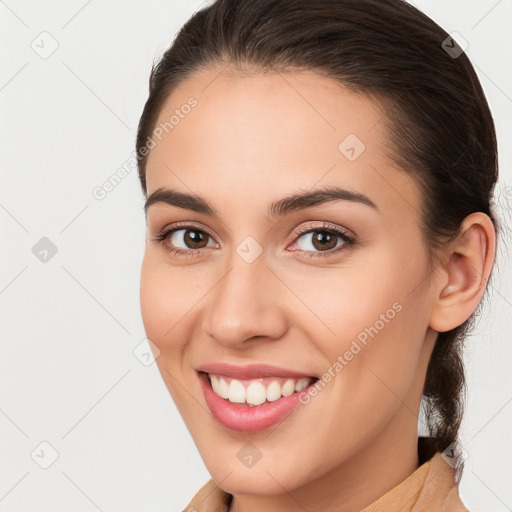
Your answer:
<point x="259" y="285"/>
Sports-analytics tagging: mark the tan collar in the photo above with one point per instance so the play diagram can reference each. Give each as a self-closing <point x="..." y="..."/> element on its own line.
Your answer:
<point x="430" y="488"/>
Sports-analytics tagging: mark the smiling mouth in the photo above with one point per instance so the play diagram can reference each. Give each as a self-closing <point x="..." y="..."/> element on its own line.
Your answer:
<point x="255" y="392"/>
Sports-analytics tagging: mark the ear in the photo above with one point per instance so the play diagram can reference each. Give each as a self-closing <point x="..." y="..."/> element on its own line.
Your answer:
<point x="462" y="277"/>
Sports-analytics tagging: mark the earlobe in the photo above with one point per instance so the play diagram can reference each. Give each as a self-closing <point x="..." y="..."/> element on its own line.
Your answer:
<point x="463" y="277"/>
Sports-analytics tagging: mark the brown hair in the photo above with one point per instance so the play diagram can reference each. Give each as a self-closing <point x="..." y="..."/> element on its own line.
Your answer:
<point x="441" y="129"/>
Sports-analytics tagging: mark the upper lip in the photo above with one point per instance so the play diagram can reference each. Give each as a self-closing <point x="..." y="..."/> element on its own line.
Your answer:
<point x="250" y="371"/>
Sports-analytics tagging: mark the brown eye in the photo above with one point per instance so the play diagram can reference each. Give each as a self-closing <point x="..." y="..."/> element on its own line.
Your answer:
<point x="185" y="240"/>
<point x="191" y="238"/>
<point x="320" y="240"/>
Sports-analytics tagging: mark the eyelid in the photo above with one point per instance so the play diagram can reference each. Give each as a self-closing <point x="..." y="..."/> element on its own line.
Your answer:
<point x="162" y="234"/>
<point x="310" y="226"/>
<point x="176" y="226"/>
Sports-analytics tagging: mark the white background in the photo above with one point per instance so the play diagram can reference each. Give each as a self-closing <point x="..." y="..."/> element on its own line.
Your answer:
<point x="69" y="326"/>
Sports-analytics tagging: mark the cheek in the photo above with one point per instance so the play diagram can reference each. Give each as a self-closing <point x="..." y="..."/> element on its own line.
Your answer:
<point x="165" y="300"/>
<point x="370" y="323"/>
<point x="167" y="295"/>
<point x="154" y="302"/>
<point x="347" y="304"/>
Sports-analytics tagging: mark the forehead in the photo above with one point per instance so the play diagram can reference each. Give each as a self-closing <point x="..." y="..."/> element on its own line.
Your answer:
<point x="272" y="132"/>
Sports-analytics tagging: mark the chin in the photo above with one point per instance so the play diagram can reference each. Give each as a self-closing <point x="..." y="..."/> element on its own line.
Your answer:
<point x="255" y="482"/>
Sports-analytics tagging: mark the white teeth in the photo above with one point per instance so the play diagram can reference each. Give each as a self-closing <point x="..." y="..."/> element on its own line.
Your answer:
<point x="219" y="386"/>
<point x="302" y="383"/>
<point x="288" y="388"/>
<point x="223" y="388"/>
<point x="236" y="392"/>
<point x="256" y="393"/>
<point x="215" y="384"/>
<point x="273" y="391"/>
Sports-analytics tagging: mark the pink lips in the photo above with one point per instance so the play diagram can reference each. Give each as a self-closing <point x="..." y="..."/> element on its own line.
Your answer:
<point x="252" y="371"/>
<point x="242" y="417"/>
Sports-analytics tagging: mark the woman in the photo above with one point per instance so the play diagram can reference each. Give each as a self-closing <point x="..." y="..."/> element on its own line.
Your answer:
<point x="318" y="180"/>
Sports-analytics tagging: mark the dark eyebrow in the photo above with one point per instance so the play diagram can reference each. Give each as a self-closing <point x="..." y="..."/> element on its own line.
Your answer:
<point x="317" y="197"/>
<point x="181" y="200"/>
<point x="279" y="208"/>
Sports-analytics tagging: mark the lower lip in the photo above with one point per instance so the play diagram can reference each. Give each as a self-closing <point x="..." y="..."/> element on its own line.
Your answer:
<point x="244" y="418"/>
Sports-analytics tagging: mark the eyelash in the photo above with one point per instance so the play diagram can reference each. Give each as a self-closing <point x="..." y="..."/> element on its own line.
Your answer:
<point x="349" y="241"/>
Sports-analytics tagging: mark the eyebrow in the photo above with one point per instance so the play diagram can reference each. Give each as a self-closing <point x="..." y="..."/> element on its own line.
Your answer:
<point x="280" y="208"/>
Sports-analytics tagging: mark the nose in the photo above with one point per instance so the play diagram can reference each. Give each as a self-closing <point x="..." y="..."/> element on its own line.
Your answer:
<point x="247" y="304"/>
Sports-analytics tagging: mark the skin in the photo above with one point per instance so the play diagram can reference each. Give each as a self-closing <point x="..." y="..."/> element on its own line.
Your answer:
<point x="251" y="140"/>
